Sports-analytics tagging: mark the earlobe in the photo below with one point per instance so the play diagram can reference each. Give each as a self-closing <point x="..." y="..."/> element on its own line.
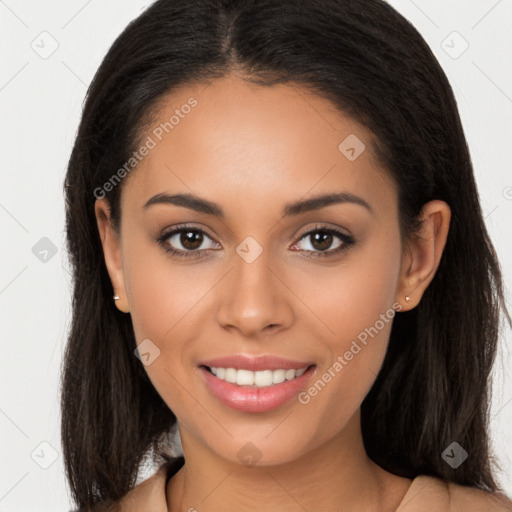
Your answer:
<point x="423" y="253"/>
<point x="112" y="253"/>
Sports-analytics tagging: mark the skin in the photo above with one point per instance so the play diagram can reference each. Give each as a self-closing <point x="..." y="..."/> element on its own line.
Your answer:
<point x="252" y="150"/>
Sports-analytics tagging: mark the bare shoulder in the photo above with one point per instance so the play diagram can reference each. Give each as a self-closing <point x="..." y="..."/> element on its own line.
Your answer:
<point x="428" y="493"/>
<point x="469" y="499"/>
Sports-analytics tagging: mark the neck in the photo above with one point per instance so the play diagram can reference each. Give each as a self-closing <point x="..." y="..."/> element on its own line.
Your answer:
<point x="333" y="475"/>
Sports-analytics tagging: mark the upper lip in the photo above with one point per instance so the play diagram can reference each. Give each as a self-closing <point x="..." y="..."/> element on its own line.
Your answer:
<point x="264" y="362"/>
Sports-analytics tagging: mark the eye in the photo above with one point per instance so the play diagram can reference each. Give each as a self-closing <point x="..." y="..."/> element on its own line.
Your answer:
<point x="189" y="238"/>
<point x="192" y="241"/>
<point x="321" y="238"/>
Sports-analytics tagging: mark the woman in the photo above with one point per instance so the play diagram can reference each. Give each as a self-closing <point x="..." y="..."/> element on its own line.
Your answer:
<point x="278" y="249"/>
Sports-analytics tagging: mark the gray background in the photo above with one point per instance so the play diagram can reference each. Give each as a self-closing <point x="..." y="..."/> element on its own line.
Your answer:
<point x="41" y="94"/>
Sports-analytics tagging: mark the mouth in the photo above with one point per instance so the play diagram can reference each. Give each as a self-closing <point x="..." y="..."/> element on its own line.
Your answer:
<point x="256" y="379"/>
<point x="255" y="391"/>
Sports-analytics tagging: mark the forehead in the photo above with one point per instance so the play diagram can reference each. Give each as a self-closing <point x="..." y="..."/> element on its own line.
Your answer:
<point x="268" y="145"/>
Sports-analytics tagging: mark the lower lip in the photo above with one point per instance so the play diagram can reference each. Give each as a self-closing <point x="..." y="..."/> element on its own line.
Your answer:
<point x="252" y="399"/>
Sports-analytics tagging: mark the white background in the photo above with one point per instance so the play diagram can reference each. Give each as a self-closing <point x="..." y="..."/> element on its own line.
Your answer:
<point x="41" y="102"/>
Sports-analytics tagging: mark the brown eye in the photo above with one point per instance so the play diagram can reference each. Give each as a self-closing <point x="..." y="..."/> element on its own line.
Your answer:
<point x="321" y="240"/>
<point x="186" y="241"/>
<point x="191" y="239"/>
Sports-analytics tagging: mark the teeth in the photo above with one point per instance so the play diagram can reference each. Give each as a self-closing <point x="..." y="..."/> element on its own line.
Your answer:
<point x="262" y="379"/>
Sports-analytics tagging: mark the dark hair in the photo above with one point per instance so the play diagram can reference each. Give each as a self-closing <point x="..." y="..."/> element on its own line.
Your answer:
<point x="373" y="65"/>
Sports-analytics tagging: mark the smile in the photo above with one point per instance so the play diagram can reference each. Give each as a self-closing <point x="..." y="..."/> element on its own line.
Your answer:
<point x="255" y="391"/>
<point x="258" y="379"/>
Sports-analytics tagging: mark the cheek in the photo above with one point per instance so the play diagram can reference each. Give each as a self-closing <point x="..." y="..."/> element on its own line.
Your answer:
<point x="162" y="301"/>
<point x="161" y="292"/>
<point x="169" y="305"/>
<point x="357" y="306"/>
<point x="355" y="294"/>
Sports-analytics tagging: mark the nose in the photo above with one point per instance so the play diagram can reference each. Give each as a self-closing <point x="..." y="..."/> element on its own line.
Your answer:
<point x="255" y="298"/>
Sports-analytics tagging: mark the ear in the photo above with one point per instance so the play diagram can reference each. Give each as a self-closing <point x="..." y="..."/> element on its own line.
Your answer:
<point x="422" y="253"/>
<point x="111" y="252"/>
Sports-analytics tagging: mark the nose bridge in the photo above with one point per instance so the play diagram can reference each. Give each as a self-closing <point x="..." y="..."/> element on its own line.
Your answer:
<point x="255" y="298"/>
<point x="252" y="273"/>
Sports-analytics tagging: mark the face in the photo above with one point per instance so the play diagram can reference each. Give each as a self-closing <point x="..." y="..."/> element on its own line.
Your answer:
<point x="317" y="286"/>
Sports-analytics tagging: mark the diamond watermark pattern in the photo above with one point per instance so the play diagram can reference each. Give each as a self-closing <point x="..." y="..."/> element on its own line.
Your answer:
<point x="147" y="352"/>
<point x="45" y="45"/>
<point x="454" y="455"/>
<point x="249" y="454"/>
<point x="44" y="250"/>
<point x="44" y="455"/>
<point x="454" y="45"/>
<point x="249" y="250"/>
<point x="352" y="147"/>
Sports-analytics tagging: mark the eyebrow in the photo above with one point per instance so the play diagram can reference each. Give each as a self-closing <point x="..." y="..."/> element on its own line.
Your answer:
<point x="205" y="206"/>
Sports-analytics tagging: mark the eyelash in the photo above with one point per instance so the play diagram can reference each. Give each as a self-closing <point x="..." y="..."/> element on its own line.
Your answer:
<point x="348" y="242"/>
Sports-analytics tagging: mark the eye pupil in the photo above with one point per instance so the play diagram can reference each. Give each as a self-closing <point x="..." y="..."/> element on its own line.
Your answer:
<point x="191" y="237"/>
<point x="325" y="239"/>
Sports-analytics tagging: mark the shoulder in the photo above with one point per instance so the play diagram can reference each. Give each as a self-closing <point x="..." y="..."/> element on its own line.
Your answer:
<point x="470" y="498"/>
<point x="428" y="493"/>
